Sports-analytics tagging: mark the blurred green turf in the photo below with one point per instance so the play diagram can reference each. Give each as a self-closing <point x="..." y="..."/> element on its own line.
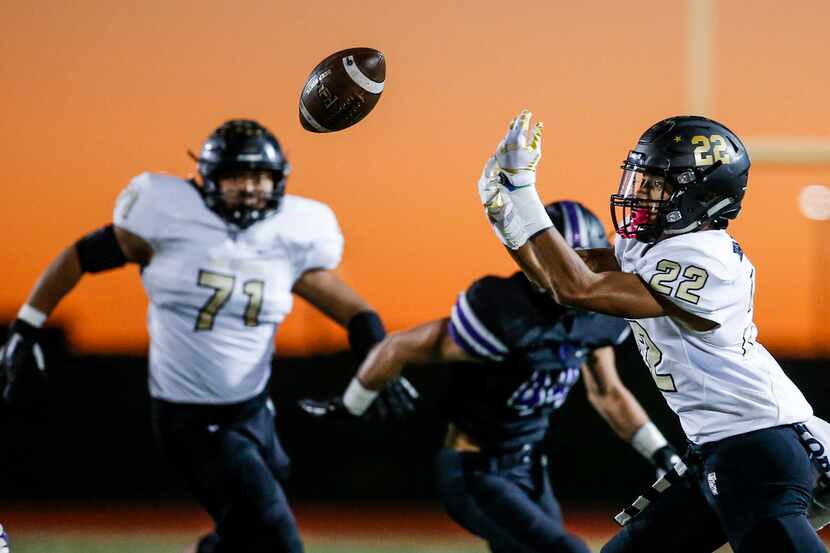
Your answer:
<point x="97" y="544"/>
<point x="134" y="543"/>
<point x="74" y="543"/>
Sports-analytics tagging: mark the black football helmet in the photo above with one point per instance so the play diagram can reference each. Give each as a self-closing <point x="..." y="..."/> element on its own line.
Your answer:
<point x="241" y="144"/>
<point x="701" y="168"/>
<point x="578" y="225"/>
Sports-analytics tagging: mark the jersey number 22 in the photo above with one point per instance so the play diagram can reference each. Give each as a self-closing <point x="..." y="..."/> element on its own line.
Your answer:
<point x="652" y="356"/>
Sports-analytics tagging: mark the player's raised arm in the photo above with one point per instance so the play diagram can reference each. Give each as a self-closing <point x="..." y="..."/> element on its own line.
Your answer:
<point x="23" y="365"/>
<point x="571" y="282"/>
<point x="621" y="410"/>
<point x="520" y="221"/>
<point x="600" y="260"/>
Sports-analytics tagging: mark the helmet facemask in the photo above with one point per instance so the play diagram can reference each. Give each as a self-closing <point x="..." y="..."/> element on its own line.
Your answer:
<point x="651" y="205"/>
<point x="640" y="204"/>
<point x="237" y="147"/>
<point x="234" y="206"/>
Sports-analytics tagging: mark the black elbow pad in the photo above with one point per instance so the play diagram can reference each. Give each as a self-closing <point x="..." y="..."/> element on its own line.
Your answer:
<point x="99" y="251"/>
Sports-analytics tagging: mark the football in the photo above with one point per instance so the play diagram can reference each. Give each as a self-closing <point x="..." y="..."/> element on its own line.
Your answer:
<point x="342" y="89"/>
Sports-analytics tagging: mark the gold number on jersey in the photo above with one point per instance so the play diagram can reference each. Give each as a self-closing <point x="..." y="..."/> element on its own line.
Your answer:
<point x="652" y="356"/>
<point x="667" y="271"/>
<point x="697" y="280"/>
<point x="253" y="289"/>
<point x="222" y="286"/>
<point x="710" y="149"/>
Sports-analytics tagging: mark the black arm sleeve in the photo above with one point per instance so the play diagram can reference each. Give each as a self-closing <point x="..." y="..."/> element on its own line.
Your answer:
<point x="99" y="251"/>
<point x="365" y="330"/>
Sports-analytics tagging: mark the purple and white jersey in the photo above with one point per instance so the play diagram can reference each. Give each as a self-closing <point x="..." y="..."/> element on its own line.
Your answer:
<point x="531" y="351"/>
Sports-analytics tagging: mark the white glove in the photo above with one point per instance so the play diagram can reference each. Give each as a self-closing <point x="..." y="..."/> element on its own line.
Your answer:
<point x="518" y="160"/>
<point x="498" y="207"/>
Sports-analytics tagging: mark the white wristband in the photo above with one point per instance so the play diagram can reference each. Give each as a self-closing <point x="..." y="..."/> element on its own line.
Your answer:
<point x="530" y="209"/>
<point x="33" y="316"/>
<point x="647" y="440"/>
<point x="357" y="399"/>
<point x="509" y="229"/>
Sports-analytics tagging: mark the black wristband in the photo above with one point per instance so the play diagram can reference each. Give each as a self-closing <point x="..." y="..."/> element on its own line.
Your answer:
<point x="665" y="457"/>
<point x="365" y="330"/>
<point x="27" y="331"/>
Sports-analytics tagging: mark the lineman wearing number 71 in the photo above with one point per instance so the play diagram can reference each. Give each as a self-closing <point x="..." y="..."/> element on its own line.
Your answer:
<point x="219" y="260"/>
<point x="687" y="289"/>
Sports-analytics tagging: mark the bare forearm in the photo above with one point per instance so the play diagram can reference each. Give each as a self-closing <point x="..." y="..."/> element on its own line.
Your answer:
<point x="558" y="269"/>
<point x="621" y="411"/>
<point x="561" y="270"/>
<point x="59" y="278"/>
<point x="425" y="343"/>
<point x="388" y="358"/>
<point x="599" y="259"/>
<point x="551" y="264"/>
<point x="326" y="291"/>
<point x="381" y="365"/>
<point x="527" y="262"/>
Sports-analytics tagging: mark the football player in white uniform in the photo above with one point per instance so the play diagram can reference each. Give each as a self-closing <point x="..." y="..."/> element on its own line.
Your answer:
<point x="687" y="289"/>
<point x="219" y="261"/>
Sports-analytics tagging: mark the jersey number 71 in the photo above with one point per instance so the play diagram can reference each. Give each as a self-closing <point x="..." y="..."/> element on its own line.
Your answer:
<point x="223" y="288"/>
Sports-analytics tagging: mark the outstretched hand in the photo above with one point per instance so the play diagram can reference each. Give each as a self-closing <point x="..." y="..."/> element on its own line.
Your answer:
<point x="498" y="206"/>
<point x="330" y="409"/>
<point x="395" y="402"/>
<point x="507" y="186"/>
<point x="517" y="155"/>
<point x="22" y="367"/>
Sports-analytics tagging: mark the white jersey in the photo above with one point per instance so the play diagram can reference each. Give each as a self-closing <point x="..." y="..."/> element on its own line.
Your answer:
<point x="720" y="382"/>
<point x="217" y="294"/>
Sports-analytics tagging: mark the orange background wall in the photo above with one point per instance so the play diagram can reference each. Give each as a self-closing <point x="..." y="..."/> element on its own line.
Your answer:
<point x="96" y="93"/>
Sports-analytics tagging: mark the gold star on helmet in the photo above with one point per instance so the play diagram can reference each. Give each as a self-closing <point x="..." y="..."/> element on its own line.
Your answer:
<point x="678" y="138"/>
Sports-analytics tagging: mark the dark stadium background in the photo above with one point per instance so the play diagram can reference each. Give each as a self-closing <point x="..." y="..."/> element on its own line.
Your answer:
<point x="93" y="441"/>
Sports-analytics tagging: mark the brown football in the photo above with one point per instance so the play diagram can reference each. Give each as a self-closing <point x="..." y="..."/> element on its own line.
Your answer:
<point x="342" y="89"/>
